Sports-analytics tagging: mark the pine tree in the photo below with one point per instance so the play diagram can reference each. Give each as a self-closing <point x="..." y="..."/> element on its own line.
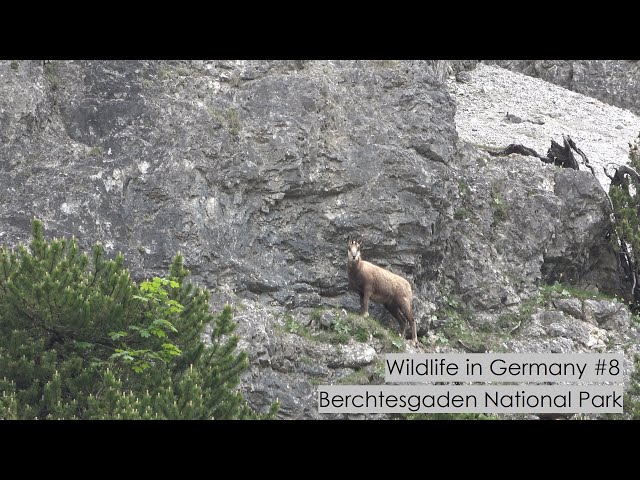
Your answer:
<point x="624" y="193"/>
<point x="80" y="339"/>
<point x="631" y="401"/>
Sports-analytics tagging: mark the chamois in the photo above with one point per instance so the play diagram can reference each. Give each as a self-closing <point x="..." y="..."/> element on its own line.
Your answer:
<point x="381" y="286"/>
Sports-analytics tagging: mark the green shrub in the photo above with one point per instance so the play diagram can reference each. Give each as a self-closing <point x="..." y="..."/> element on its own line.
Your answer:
<point x="625" y="198"/>
<point x="80" y="339"/>
<point x="448" y="416"/>
<point x="51" y="74"/>
<point x="345" y="328"/>
<point x="95" y="151"/>
<point x="316" y="315"/>
<point x="631" y="400"/>
<point x="500" y="208"/>
<point x="233" y="121"/>
<point x="291" y="325"/>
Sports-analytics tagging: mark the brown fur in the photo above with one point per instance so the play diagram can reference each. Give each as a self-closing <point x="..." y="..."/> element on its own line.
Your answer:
<point x="381" y="286"/>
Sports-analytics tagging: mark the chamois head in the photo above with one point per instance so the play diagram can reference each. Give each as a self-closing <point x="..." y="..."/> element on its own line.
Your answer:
<point x="353" y="252"/>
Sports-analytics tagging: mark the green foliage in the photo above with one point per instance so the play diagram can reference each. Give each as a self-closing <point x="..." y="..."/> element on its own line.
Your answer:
<point x="51" y="74"/>
<point x="463" y="187"/>
<point x="457" y="331"/>
<point x="341" y="326"/>
<point x="360" y="376"/>
<point x="233" y="121"/>
<point x="291" y="325"/>
<point x="462" y="213"/>
<point x="230" y="117"/>
<point x="316" y="315"/>
<point x="159" y="315"/>
<point x="95" y="151"/>
<point x="362" y="329"/>
<point x="384" y="64"/>
<point x="369" y="375"/>
<point x="565" y="290"/>
<point x="631" y="400"/>
<point x="626" y="207"/>
<point x="234" y="80"/>
<point x="173" y="72"/>
<point x="499" y="205"/>
<point x="80" y="339"/>
<point x="343" y="329"/>
<point x="448" y="416"/>
<point x="216" y="114"/>
<point x="465" y="210"/>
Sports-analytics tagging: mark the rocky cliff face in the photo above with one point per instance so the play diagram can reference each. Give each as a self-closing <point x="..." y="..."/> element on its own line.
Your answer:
<point x="616" y="82"/>
<point x="258" y="171"/>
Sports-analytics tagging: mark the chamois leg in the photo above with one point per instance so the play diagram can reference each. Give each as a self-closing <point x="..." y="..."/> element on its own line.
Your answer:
<point x="406" y="312"/>
<point x="364" y="303"/>
<point x="395" y="311"/>
<point x="414" y="333"/>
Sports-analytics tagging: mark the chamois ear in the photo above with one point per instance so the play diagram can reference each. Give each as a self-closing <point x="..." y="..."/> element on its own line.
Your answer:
<point x="349" y="240"/>
<point x="360" y="240"/>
